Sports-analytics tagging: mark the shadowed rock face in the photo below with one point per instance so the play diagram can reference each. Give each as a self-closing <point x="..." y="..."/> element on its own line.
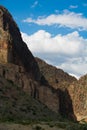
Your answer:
<point x="72" y="93"/>
<point x="60" y="81"/>
<point x="59" y="91"/>
<point x="18" y="64"/>
<point x="12" y="48"/>
<point x="78" y="93"/>
<point x="57" y="78"/>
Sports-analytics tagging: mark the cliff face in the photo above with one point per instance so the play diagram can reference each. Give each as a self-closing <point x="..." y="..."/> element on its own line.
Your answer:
<point x="18" y="64"/>
<point x="20" y="77"/>
<point x="12" y="48"/>
<point x="78" y="93"/>
<point x="16" y="105"/>
<point x="72" y="93"/>
<point x="53" y="87"/>
<point x="57" y="78"/>
<point x="60" y="82"/>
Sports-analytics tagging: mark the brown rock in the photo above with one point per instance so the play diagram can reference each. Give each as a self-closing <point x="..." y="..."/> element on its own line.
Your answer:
<point x="59" y="91"/>
<point x="60" y="82"/>
<point x="18" y="64"/>
<point x="57" y="78"/>
<point x="12" y="48"/>
<point x="78" y="93"/>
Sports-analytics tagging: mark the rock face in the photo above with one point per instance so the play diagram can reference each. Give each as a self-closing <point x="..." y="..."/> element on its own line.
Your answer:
<point x="57" y="78"/>
<point x="19" y="65"/>
<point x="72" y="93"/>
<point x="19" y="76"/>
<point x="53" y="87"/>
<point x="78" y="93"/>
<point x="60" y="81"/>
<point x="12" y="48"/>
<point x="16" y="105"/>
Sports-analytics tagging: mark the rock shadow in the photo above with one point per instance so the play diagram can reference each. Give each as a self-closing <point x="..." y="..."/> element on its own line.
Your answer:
<point x="65" y="105"/>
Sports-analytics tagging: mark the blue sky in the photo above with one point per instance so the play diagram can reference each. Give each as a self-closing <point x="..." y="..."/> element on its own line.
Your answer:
<point x="54" y="30"/>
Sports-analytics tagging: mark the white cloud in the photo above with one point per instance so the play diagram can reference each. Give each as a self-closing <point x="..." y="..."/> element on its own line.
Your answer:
<point x="75" y="66"/>
<point x="73" y="6"/>
<point x="43" y="42"/>
<point x="34" y="4"/>
<point x="65" y="19"/>
<point x="56" y="11"/>
<point x="77" y="77"/>
<point x="68" y="52"/>
<point x="85" y="4"/>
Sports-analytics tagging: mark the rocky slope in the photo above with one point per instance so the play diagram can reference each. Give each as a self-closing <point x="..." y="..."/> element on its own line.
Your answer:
<point x="57" y="78"/>
<point x="19" y="65"/>
<point x="53" y="87"/>
<point x="72" y="93"/>
<point x="16" y="105"/>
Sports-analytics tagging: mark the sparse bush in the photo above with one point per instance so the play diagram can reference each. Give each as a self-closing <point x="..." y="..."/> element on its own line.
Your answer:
<point x="77" y="127"/>
<point x="61" y="125"/>
<point x="10" y="81"/>
<point x="38" y="128"/>
<point x="51" y="125"/>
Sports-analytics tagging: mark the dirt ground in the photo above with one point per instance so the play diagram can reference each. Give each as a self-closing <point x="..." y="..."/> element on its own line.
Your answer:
<point x="11" y="126"/>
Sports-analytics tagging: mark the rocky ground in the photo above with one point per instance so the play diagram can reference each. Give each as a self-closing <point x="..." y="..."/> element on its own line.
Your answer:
<point x="27" y="127"/>
<point x="43" y="126"/>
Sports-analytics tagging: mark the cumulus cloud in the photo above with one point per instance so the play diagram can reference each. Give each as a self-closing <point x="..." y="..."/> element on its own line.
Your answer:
<point x="43" y="42"/>
<point x="75" y="66"/>
<point x="68" y="52"/>
<point x="65" y="19"/>
<point x="73" y="6"/>
<point x="34" y="4"/>
<point x="85" y="4"/>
